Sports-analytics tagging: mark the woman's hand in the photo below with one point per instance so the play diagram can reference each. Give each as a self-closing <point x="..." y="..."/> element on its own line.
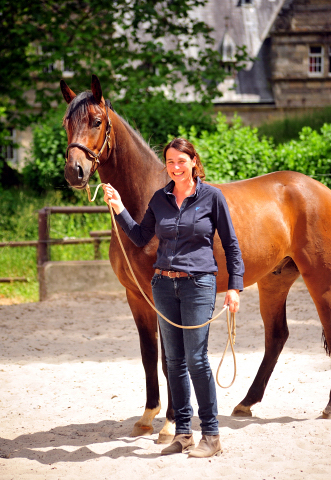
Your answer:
<point x="113" y="198"/>
<point x="232" y="300"/>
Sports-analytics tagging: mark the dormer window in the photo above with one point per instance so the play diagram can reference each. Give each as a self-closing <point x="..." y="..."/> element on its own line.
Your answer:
<point x="227" y="48"/>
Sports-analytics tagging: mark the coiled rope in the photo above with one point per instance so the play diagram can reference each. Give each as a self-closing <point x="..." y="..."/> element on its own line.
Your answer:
<point x="231" y="324"/>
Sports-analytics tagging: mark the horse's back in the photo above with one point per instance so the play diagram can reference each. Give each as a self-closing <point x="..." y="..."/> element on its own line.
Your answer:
<point x="277" y="215"/>
<point x="291" y="193"/>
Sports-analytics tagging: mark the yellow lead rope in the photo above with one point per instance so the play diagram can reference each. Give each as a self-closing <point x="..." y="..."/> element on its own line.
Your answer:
<point x="231" y="324"/>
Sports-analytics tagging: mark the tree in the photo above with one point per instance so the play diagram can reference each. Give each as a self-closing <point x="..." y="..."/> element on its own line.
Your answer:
<point x="138" y="49"/>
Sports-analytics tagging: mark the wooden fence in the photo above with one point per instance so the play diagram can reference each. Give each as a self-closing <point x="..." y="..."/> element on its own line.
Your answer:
<point x="44" y="241"/>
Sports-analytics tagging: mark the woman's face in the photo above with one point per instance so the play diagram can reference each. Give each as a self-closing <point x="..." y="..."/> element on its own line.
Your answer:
<point x="179" y="165"/>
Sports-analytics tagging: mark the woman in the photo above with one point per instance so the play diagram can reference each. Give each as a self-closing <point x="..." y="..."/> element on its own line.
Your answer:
<point x="184" y="216"/>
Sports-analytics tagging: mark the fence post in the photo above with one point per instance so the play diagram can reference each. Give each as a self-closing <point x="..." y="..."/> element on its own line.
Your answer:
<point x="97" y="254"/>
<point x="43" y="249"/>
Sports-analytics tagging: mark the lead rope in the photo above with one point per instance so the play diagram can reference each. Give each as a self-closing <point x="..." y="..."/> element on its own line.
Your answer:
<point x="231" y="324"/>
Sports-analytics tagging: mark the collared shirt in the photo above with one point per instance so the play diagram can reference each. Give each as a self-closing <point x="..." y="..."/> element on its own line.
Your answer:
<point x="186" y="234"/>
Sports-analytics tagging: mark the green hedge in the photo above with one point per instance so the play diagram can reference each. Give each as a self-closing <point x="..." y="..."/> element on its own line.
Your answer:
<point x="236" y="152"/>
<point x="231" y="152"/>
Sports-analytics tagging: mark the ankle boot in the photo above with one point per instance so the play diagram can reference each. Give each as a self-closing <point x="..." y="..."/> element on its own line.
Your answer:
<point x="209" y="446"/>
<point x="180" y="443"/>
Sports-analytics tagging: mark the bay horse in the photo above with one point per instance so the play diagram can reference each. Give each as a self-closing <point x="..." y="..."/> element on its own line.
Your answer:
<point x="282" y="221"/>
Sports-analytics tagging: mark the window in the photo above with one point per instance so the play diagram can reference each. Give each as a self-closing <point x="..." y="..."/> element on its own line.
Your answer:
<point x="61" y="65"/>
<point x="8" y="151"/>
<point x="316" y="60"/>
<point x="245" y="2"/>
<point x="67" y="72"/>
<point x="49" y="69"/>
<point x="227" y="49"/>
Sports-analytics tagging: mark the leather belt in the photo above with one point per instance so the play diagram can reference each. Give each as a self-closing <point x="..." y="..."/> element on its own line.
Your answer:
<point x="173" y="274"/>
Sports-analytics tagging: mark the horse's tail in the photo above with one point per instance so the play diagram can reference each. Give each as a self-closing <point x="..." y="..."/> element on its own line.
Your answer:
<point x="327" y="347"/>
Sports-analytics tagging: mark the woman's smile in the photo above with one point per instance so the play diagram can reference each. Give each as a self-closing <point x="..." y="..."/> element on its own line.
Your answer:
<point x="179" y="165"/>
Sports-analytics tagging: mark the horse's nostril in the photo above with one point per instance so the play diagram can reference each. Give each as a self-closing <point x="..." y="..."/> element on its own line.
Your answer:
<point x="80" y="171"/>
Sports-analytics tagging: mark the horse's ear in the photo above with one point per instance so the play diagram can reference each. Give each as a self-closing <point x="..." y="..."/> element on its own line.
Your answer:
<point x="96" y="89"/>
<point x="67" y="93"/>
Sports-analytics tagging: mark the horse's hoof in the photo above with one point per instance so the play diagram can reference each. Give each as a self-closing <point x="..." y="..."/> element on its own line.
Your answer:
<point x="327" y="413"/>
<point x="241" y="411"/>
<point x="144" y="426"/>
<point x="167" y="433"/>
<point x="141" y="430"/>
<point x="164" y="439"/>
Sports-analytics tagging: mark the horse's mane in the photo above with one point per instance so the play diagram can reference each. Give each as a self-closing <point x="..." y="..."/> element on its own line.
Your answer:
<point x="136" y="135"/>
<point x="78" y="112"/>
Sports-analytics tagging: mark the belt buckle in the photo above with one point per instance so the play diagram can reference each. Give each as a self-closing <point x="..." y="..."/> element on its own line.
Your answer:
<point x="169" y="271"/>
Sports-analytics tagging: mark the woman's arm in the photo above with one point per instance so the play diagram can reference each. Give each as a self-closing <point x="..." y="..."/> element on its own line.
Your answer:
<point x="234" y="261"/>
<point x="141" y="234"/>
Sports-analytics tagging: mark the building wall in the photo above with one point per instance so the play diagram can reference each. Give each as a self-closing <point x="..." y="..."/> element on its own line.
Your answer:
<point x="301" y="24"/>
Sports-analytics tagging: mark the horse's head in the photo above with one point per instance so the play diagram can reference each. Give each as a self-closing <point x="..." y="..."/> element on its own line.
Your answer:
<point x="88" y="127"/>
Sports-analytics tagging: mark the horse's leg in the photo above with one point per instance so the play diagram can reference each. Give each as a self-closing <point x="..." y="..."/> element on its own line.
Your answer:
<point x="146" y="322"/>
<point x="168" y="431"/>
<point x="318" y="279"/>
<point x="273" y="291"/>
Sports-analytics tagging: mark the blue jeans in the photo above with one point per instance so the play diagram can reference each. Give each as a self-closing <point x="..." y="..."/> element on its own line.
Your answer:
<point x="188" y="301"/>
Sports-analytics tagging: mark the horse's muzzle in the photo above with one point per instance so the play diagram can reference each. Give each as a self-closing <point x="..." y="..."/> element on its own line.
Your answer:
<point x="76" y="175"/>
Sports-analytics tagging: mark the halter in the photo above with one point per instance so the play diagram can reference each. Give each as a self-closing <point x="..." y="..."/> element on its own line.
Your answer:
<point x="95" y="156"/>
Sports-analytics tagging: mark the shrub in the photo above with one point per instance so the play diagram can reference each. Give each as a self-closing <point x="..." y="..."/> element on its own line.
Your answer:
<point x="45" y="164"/>
<point x="231" y="152"/>
<point x="159" y="117"/>
<point x="236" y="152"/>
<point x="311" y="154"/>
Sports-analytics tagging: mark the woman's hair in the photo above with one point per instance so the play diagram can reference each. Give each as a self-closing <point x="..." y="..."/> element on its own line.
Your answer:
<point x="185" y="146"/>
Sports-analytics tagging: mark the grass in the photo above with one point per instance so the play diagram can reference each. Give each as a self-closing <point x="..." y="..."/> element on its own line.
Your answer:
<point x="281" y="131"/>
<point x="19" y="262"/>
<point x="19" y="221"/>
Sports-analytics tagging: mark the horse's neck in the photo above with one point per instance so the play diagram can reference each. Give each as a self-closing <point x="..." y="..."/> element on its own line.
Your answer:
<point x="133" y="169"/>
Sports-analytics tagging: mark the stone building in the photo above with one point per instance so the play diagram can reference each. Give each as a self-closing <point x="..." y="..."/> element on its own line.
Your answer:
<point x="291" y="43"/>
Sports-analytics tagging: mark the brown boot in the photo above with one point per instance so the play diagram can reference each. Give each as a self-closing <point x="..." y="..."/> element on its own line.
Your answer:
<point x="208" y="446"/>
<point x="180" y="443"/>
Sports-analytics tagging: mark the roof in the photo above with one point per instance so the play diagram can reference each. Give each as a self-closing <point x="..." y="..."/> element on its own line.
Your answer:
<point x="244" y="23"/>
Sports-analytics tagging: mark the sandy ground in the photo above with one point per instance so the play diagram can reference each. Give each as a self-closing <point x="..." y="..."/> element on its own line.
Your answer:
<point x="72" y="386"/>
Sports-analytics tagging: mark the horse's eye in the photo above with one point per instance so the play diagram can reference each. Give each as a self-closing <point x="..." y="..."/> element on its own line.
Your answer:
<point x="97" y="123"/>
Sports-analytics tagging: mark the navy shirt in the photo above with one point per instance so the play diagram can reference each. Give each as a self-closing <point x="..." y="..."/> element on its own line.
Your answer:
<point x="186" y="235"/>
